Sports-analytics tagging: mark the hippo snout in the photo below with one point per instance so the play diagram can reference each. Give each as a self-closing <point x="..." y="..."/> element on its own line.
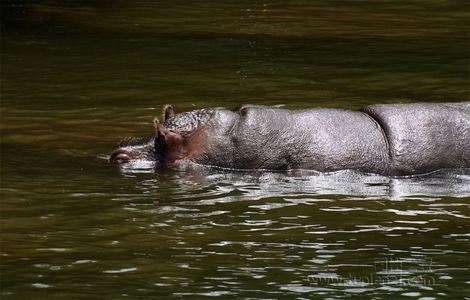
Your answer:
<point x="134" y="149"/>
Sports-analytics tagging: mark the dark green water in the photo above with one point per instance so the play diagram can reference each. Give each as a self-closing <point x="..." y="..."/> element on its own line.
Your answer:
<point x="79" y="76"/>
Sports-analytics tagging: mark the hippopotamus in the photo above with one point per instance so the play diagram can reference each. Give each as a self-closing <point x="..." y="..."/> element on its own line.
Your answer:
<point x="386" y="139"/>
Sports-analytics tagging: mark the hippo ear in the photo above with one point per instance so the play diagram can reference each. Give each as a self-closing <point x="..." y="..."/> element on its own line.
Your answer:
<point x="167" y="140"/>
<point x="168" y="112"/>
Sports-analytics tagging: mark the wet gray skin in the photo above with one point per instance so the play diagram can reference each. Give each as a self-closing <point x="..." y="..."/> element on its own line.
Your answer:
<point x="395" y="139"/>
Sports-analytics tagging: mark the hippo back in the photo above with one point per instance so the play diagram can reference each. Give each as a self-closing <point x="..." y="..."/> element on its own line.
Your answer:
<point x="321" y="139"/>
<point x="425" y="136"/>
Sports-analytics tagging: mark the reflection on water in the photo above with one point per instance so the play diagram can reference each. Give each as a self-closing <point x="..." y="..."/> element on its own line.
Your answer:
<point x="212" y="233"/>
<point x="443" y="183"/>
<point x="77" y="76"/>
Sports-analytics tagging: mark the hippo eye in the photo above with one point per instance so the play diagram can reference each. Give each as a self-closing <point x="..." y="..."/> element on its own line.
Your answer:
<point x="242" y="111"/>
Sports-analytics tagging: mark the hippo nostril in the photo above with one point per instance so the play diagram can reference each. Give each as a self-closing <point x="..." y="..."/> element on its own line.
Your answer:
<point x="120" y="156"/>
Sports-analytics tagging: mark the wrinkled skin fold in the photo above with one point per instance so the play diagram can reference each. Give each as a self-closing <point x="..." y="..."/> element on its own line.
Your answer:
<point x="388" y="139"/>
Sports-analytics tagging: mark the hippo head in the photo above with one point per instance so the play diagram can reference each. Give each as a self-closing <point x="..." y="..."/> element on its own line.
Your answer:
<point x="178" y="137"/>
<point x="134" y="149"/>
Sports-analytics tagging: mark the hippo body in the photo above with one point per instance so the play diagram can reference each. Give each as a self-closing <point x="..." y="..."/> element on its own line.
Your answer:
<point x="388" y="139"/>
